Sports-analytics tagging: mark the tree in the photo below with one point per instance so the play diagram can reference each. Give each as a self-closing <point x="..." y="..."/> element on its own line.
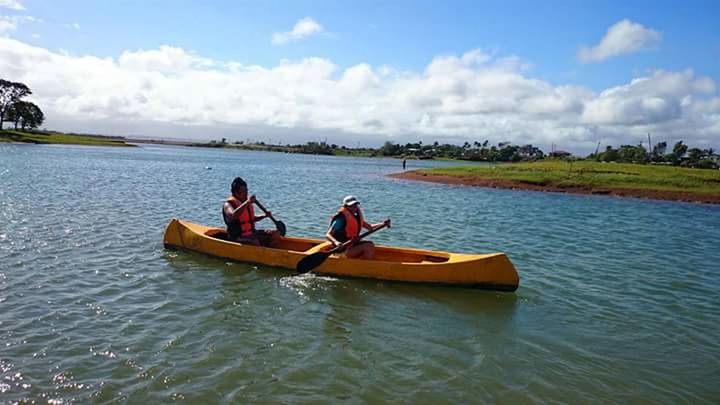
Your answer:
<point x="508" y="153"/>
<point x="492" y="154"/>
<point x="10" y="92"/>
<point x="389" y="149"/>
<point x="25" y="114"/>
<point x="678" y="152"/>
<point x="632" y="154"/>
<point x="34" y="117"/>
<point x="13" y="113"/>
<point x="610" y="154"/>
<point x="658" y="152"/>
<point x="694" y="156"/>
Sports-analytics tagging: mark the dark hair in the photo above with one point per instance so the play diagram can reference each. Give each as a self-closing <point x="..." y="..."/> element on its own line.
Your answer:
<point x="237" y="183"/>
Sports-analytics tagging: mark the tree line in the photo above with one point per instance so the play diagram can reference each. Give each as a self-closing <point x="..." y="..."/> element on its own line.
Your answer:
<point x="24" y="114"/>
<point x="679" y="155"/>
<point x="476" y="151"/>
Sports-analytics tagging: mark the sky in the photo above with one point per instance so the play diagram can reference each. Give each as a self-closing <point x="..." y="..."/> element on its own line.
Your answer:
<point x="568" y="75"/>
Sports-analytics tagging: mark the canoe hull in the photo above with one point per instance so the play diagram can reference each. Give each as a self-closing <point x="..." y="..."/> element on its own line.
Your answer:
<point x="490" y="271"/>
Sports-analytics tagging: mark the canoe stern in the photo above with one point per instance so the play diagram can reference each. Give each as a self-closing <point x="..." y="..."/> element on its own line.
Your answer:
<point x="171" y="238"/>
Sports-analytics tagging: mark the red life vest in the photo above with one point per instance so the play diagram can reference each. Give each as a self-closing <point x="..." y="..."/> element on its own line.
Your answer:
<point x="353" y="224"/>
<point x="245" y="219"/>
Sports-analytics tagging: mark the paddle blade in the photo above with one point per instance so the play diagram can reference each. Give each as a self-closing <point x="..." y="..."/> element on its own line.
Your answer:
<point x="312" y="261"/>
<point x="281" y="227"/>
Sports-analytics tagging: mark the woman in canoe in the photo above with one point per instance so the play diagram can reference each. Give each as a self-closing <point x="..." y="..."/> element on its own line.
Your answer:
<point x="346" y="225"/>
<point x="240" y="218"/>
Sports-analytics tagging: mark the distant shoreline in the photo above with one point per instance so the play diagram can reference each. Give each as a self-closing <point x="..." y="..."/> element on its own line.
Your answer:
<point x="59" y="138"/>
<point x="475" y="181"/>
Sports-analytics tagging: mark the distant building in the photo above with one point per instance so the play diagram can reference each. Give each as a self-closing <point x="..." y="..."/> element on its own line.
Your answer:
<point x="560" y="154"/>
<point x="530" y="152"/>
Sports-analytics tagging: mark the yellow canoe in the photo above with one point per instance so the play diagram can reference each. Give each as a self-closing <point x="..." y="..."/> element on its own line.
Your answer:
<point x="490" y="271"/>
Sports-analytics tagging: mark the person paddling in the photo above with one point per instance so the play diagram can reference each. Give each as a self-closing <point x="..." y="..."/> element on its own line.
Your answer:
<point x="346" y="225"/>
<point x="239" y="216"/>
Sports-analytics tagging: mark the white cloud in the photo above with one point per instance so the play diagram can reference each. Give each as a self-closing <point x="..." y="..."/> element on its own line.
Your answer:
<point x="11" y="4"/>
<point x="74" y="26"/>
<point x="11" y="23"/>
<point x="7" y="24"/>
<point x="165" y="59"/>
<point x="622" y="38"/>
<point x="302" y="29"/>
<point x="472" y="96"/>
<point x="655" y="99"/>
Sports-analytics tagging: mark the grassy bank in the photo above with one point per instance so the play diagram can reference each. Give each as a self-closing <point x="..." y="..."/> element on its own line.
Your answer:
<point x="58" y="138"/>
<point x="591" y="176"/>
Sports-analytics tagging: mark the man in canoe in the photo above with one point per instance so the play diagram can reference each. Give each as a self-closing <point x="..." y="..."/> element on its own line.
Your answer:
<point x="240" y="218"/>
<point x="346" y="225"/>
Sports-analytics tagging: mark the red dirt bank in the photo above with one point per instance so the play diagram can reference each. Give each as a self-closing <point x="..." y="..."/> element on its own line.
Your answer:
<point x="516" y="185"/>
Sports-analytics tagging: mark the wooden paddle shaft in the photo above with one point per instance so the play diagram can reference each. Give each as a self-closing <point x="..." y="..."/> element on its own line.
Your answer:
<point x="263" y="209"/>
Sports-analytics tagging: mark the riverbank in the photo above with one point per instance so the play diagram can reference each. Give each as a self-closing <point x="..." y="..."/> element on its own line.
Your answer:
<point x="38" y="137"/>
<point x="585" y="177"/>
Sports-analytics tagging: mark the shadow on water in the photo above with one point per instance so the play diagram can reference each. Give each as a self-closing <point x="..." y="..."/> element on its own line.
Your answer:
<point x="467" y="300"/>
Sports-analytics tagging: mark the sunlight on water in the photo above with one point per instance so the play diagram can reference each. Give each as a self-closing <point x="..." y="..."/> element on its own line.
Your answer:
<point x="618" y="298"/>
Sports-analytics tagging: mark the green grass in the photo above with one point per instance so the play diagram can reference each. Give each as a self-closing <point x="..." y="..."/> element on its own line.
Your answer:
<point x="57" y="138"/>
<point x="594" y="175"/>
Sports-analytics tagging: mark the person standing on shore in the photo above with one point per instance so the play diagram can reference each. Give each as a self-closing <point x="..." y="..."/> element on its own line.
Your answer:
<point x="239" y="216"/>
<point x="403" y="163"/>
<point x="346" y="225"/>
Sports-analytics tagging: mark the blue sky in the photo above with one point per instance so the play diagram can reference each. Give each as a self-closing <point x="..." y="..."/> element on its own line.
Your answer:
<point x="537" y="43"/>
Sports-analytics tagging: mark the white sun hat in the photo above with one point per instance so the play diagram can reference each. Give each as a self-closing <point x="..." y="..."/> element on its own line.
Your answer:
<point x="350" y="200"/>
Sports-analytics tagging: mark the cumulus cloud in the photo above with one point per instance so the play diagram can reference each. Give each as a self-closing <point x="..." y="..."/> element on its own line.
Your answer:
<point x="654" y="99"/>
<point x="7" y="24"/>
<point x="473" y="96"/>
<point x="11" y="4"/>
<point x="166" y="59"/>
<point x="10" y="23"/>
<point x="622" y="38"/>
<point x="302" y="29"/>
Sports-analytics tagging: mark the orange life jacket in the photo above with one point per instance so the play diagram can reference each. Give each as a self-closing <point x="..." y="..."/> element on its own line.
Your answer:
<point x="353" y="224"/>
<point x="242" y="224"/>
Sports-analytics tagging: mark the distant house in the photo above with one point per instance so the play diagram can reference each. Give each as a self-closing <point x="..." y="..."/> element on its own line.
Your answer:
<point x="529" y="152"/>
<point x="716" y="160"/>
<point x="560" y="154"/>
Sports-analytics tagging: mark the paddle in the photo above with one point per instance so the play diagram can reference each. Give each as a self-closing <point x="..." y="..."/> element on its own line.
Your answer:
<point x="278" y="224"/>
<point x="314" y="260"/>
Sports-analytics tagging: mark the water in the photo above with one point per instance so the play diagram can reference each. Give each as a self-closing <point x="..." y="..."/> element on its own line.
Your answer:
<point x="618" y="298"/>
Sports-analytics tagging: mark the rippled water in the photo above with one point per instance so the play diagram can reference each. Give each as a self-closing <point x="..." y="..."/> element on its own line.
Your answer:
<point x="618" y="298"/>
